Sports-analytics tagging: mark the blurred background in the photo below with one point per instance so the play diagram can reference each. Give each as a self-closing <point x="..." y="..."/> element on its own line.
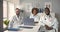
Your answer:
<point x="26" y="6"/>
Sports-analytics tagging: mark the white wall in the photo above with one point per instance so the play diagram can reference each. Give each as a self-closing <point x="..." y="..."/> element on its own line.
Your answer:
<point x="56" y="9"/>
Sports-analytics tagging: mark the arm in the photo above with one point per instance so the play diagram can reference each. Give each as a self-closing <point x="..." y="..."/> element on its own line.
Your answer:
<point x="46" y="23"/>
<point x="48" y="28"/>
<point x="11" y="23"/>
<point x="56" y="25"/>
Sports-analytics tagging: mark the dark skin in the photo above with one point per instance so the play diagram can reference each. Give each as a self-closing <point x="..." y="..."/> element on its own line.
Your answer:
<point x="48" y="28"/>
<point x="47" y="12"/>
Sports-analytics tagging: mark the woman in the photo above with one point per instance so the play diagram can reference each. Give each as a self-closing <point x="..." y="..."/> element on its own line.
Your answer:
<point x="35" y="15"/>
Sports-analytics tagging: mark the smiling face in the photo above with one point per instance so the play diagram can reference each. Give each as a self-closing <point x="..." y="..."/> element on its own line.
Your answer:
<point x="17" y="11"/>
<point x="47" y="11"/>
<point x="34" y="11"/>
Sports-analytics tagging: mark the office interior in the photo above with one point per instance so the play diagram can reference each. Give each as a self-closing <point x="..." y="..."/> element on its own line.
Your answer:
<point x="9" y="7"/>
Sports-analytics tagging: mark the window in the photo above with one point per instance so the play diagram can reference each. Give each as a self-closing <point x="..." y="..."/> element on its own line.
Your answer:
<point x="4" y="9"/>
<point x="11" y="11"/>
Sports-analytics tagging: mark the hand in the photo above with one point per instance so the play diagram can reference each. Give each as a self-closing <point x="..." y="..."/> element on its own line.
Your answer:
<point x="36" y="22"/>
<point x="48" y="28"/>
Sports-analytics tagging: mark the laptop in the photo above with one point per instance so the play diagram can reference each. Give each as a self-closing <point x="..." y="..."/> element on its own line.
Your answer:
<point x="28" y="23"/>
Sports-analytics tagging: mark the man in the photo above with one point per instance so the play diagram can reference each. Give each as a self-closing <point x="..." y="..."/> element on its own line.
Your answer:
<point x="16" y="19"/>
<point x="49" y="22"/>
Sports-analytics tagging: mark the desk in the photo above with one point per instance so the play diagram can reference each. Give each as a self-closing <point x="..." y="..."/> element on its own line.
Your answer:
<point x="34" y="29"/>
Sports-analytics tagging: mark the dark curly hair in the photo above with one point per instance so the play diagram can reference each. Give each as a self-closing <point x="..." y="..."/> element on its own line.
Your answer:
<point x="47" y="9"/>
<point x="35" y="9"/>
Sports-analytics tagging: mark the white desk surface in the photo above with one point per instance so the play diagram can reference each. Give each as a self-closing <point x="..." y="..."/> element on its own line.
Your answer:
<point x="34" y="29"/>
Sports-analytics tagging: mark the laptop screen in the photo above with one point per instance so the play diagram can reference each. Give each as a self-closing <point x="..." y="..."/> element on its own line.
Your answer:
<point x="28" y="21"/>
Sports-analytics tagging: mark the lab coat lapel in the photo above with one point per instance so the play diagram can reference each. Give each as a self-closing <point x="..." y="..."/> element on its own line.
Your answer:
<point x="17" y="18"/>
<point x="48" y="17"/>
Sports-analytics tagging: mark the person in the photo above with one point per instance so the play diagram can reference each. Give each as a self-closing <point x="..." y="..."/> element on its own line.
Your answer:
<point x="16" y="19"/>
<point x="49" y="22"/>
<point x="35" y="15"/>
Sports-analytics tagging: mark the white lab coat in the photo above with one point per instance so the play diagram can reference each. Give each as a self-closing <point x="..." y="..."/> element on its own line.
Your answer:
<point x="50" y="21"/>
<point x="15" y="22"/>
<point x="36" y="17"/>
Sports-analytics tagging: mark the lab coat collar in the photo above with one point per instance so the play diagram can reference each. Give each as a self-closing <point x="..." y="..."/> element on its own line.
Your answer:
<point x="35" y="15"/>
<point x="48" y="15"/>
<point x="17" y="17"/>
